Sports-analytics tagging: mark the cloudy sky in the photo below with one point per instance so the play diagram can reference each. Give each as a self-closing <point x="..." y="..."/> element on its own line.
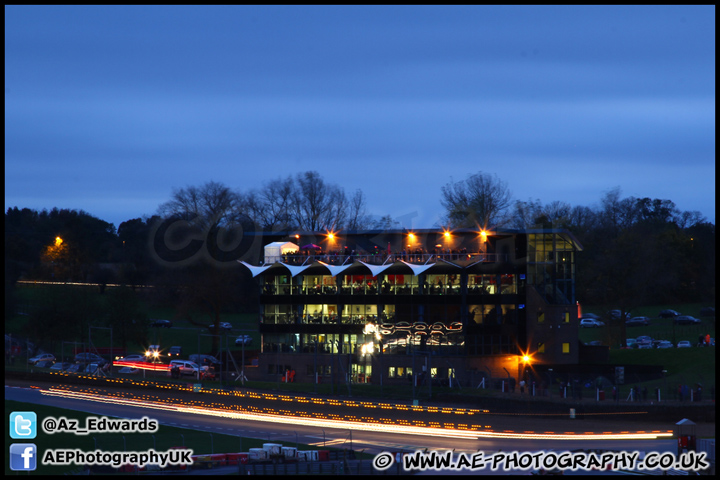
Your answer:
<point x="109" y="108"/>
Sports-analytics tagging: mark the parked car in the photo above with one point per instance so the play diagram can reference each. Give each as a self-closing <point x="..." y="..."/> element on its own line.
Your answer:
<point x="132" y="358"/>
<point x="76" y="368"/>
<point x="161" y="323"/>
<point x="186" y="367"/>
<point x="175" y="351"/>
<point x="61" y="366"/>
<point x="665" y="344"/>
<point x="643" y="341"/>
<point x="686" y="320"/>
<point x="243" y="340"/>
<point x="594" y="316"/>
<point x="637" y="321"/>
<point x="631" y="343"/>
<point x="668" y="314"/>
<point x="684" y="344"/>
<point x="205" y="360"/>
<point x="45" y="363"/>
<point x="87" y="357"/>
<point x="590" y="323"/>
<point x="40" y="358"/>
<point x="223" y="326"/>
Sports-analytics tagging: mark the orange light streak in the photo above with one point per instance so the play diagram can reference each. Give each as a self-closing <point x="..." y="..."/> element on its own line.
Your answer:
<point x="386" y="426"/>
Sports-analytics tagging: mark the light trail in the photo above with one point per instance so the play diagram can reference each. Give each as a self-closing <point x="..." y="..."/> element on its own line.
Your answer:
<point x="286" y="418"/>
<point x="155" y="367"/>
<point x="655" y="435"/>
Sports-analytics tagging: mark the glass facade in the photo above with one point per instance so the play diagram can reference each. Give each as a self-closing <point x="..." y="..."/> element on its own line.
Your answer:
<point x="551" y="266"/>
<point x="465" y="302"/>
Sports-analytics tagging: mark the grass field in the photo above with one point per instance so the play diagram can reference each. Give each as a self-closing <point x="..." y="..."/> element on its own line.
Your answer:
<point x="183" y="333"/>
<point x="683" y="365"/>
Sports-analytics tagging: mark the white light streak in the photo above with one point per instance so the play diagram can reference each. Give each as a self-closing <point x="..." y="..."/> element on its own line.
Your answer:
<point x="343" y="424"/>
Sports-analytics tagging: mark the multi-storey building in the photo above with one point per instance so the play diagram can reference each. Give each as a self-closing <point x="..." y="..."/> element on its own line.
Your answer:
<point x="386" y="306"/>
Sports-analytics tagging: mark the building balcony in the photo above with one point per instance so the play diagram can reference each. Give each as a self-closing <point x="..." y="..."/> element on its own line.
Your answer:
<point x="461" y="259"/>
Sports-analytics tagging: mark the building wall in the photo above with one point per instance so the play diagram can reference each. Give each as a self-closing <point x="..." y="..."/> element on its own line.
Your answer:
<point x="552" y="331"/>
<point x="465" y="370"/>
<point x="497" y="329"/>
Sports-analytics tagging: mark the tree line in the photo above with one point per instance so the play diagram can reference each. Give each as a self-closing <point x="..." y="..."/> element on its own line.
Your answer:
<point x="635" y="250"/>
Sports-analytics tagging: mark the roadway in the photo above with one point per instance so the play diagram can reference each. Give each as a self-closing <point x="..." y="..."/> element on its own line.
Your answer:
<point x="276" y="420"/>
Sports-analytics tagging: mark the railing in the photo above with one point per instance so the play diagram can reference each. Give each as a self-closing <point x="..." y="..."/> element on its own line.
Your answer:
<point x="385" y="258"/>
<point x="389" y="289"/>
<point x="450" y="346"/>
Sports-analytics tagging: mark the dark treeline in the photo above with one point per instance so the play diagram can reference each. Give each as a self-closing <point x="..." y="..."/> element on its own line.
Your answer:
<point x="636" y="251"/>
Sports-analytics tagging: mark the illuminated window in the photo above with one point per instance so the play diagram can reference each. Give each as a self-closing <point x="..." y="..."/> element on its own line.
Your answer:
<point x="567" y="317"/>
<point x="541" y="317"/>
<point x="566" y="348"/>
<point x="541" y="347"/>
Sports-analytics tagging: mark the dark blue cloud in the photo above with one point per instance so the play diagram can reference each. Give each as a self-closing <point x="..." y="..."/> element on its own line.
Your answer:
<point x="129" y="102"/>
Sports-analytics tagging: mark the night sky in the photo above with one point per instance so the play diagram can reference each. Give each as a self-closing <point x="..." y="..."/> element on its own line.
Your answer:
<point x="109" y="108"/>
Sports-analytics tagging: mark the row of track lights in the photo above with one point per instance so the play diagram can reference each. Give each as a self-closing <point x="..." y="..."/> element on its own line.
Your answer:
<point x="386" y="425"/>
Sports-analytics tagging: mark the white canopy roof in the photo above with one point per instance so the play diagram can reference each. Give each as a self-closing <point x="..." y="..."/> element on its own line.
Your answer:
<point x="258" y="270"/>
<point x="335" y="269"/>
<point x="418" y="269"/>
<point x="376" y="269"/>
<point x="255" y="271"/>
<point x="295" y="270"/>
